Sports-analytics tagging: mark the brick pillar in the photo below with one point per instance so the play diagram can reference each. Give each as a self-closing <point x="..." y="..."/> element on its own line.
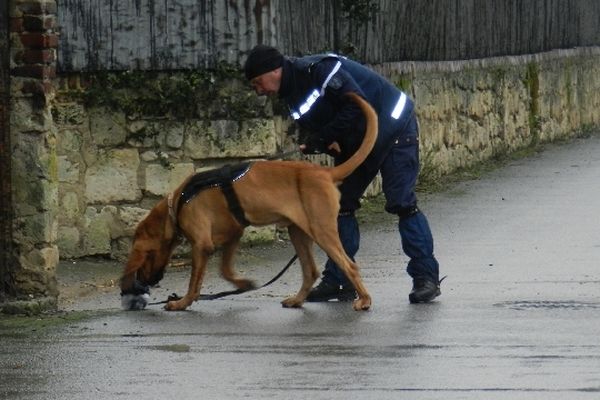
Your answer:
<point x="30" y="283"/>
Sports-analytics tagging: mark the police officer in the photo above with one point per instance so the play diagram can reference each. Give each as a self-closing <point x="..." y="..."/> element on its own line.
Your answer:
<point x="313" y="88"/>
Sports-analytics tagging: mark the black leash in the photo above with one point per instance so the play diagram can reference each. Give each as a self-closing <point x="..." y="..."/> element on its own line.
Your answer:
<point x="175" y="297"/>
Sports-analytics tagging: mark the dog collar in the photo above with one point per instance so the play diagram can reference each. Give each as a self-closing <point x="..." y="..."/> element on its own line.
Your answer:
<point x="171" y="211"/>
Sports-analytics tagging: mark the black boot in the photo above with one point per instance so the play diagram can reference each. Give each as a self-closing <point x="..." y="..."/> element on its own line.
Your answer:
<point x="325" y="291"/>
<point x="424" y="291"/>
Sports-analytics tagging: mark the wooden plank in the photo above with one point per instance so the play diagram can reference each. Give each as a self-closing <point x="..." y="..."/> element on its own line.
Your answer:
<point x="184" y="34"/>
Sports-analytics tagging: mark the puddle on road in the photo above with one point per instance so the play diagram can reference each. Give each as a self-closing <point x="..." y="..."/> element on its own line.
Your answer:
<point x="173" y="348"/>
<point x="548" y="305"/>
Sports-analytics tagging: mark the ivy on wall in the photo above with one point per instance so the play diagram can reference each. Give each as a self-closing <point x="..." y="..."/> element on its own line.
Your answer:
<point x="359" y="11"/>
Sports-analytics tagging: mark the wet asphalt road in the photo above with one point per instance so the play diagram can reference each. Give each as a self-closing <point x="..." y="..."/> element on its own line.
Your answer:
<point x="519" y="317"/>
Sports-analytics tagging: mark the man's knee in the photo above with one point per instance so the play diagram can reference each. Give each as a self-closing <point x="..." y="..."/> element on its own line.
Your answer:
<point x="404" y="213"/>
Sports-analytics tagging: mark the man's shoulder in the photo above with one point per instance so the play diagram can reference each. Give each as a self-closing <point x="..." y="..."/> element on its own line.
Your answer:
<point x="311" y="61"/>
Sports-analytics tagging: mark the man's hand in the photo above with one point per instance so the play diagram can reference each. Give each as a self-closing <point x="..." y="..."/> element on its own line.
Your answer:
<point x="313" y="145"/>
<point x="309" y="148"/>
<point x="334" y="149"/>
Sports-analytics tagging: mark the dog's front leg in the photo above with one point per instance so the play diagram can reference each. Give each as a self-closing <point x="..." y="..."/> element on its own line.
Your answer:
<point x="228" y="271"/>
<point x="199" y="261"/>
<point x="303" y="245"/>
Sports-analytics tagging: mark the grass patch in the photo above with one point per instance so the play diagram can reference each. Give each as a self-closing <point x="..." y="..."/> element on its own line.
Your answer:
<point x="19" y="325"/>
<point x="430" y="183"/>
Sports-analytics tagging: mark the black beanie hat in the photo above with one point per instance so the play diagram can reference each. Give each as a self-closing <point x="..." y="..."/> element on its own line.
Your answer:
<point x="262" y="59"/>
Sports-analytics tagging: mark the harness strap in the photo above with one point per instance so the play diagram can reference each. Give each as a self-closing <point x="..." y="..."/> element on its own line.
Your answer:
<point x="233" y="202"/>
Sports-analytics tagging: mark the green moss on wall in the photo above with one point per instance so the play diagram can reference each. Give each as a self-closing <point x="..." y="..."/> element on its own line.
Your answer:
<point x="404" y="83"/>
<point x="205" y="93"/>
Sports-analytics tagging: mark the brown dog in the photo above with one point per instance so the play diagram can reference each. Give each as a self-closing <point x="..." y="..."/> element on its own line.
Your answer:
<point x="300" y="195"/>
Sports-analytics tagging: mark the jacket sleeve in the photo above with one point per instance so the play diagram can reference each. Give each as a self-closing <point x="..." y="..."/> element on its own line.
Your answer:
<point x="348" y="118"/>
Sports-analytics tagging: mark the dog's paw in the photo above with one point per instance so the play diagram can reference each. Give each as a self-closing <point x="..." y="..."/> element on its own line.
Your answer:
<point x="132" y="302"/>
<point x="245" y="284"/>
<point x="292" y="302"/>
<point x="176" y="305"/>
<point x="362" y="304"/>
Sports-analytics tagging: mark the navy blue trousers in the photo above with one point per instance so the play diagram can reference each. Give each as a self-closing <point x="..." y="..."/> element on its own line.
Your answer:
<point x="399" y="171"/>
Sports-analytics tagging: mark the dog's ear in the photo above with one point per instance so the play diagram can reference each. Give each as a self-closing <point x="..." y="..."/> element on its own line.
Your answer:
<point x="134" y="263"/>
<point x="160" y="224"/>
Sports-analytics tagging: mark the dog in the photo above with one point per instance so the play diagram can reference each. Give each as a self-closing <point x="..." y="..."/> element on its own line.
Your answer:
<point x="295" y="194"/>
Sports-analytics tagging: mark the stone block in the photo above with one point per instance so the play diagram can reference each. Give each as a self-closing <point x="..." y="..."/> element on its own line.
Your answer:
<point x="26" y="116"/>
<point x="113" y="177"/>
<point x="69" y="141"/>
<point x="111" y="215"/>
<point x="33" y="280"/>
<point x="107" y="127"/>
<point x="263" y="234"/>
<point x="150" y="156"/>
<point x="68" y="172"/>
<point x="69" y="208"/>
<point x="161" y="180"/>
<point x="129" y="218"/>
<point x="174" y="135"/>
<point x="147" y="134"/>
<point x="69" y="242"/>
<point x="69" y="114"/>
<point x="97" y="232"/>
<point x="225" y="138"/>
<point x="34" y="229"/>
<point x="33" y="195"/>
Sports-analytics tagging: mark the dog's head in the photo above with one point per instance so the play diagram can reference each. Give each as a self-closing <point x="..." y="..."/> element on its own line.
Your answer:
<point x="153" y="243"/>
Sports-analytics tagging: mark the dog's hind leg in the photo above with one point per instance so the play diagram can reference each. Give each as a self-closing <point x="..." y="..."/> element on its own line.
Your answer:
<point x="200" y="255"/>
<point x="227" y="269"/>
<point x="326" y="236"/>
<point x="303" y="245"/>
<point x="322" y="208"/>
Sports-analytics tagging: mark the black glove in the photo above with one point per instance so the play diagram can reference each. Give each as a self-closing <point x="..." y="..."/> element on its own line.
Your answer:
<point x="314" y="145"/>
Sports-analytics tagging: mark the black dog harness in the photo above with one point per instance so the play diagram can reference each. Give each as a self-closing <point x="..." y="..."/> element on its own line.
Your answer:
<point x="223" y="178"/>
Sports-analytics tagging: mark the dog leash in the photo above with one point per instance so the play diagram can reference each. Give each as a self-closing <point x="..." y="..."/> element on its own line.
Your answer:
<point x="282" y="155"/>
<point x="175" y="297"/>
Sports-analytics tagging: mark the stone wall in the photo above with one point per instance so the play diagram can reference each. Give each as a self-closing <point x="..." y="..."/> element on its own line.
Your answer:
<point x="116" y="161"/>
<point x="470" y="111"/>
<point x="115" y="164"/>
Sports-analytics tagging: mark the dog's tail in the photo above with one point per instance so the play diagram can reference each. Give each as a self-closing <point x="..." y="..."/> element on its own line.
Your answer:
<point x="338" y="173"/>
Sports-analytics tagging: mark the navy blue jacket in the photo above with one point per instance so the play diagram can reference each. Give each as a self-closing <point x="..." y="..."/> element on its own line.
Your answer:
<point x="314" y="87"/>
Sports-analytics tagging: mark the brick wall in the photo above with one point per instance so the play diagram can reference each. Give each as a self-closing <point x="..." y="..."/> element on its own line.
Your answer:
<point x="34" y="42"/>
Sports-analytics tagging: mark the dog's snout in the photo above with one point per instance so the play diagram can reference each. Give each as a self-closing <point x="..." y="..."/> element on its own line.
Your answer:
<point x="138" y="288"/>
